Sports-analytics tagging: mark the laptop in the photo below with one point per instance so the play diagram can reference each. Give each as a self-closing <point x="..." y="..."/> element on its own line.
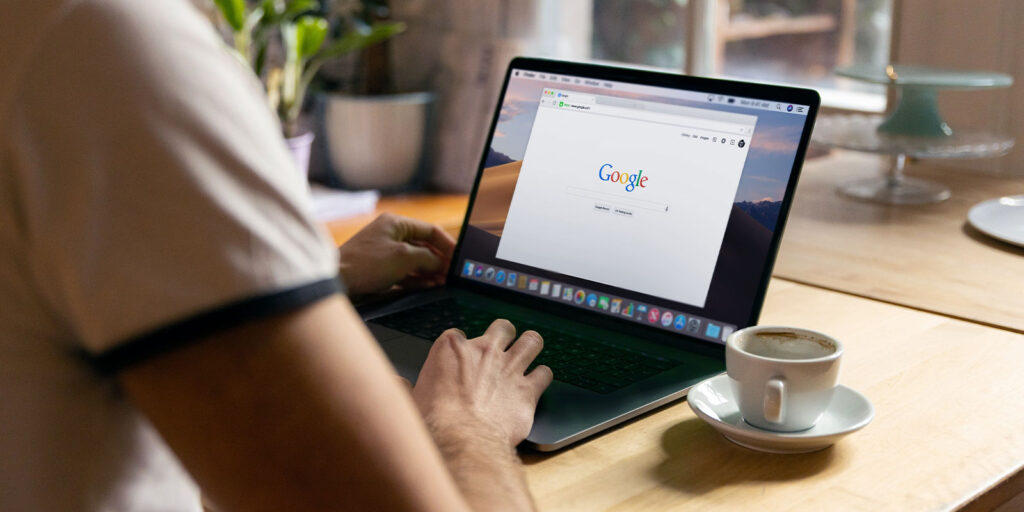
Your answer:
<point x="631" y="218"/>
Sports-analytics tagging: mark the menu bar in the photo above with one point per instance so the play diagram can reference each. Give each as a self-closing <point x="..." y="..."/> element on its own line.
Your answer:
<point x="736" y="101"/>
<point x="606" y="84"/>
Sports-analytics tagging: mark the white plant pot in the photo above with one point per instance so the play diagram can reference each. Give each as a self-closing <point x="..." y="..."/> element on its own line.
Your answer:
<point x="376" y="142"/>
<point x="300" y="146"/>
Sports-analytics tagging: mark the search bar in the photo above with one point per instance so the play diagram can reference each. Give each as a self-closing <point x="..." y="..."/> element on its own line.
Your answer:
<point x="617" y="199"/>
<point x="681" y="121"/>
<point x="679" y="110"/>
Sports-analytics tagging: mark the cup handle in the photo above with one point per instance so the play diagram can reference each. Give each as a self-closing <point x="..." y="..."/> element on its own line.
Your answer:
<point x="775" y="401"/>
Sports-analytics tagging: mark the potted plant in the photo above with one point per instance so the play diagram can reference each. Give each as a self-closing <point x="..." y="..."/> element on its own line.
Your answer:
<point x="375" y="135"/>
<point x="302" y="35"/>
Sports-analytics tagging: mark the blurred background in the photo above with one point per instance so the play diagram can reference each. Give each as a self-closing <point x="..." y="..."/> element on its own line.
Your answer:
<point x="457" y="51"/>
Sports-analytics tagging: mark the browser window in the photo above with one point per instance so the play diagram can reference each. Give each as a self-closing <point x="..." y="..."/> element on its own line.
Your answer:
<point x="649" y="203"/>
<point x="610" y="188"/>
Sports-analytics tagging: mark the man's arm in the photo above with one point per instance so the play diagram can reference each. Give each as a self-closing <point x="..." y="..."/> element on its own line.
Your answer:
<point x="302" y="412"/>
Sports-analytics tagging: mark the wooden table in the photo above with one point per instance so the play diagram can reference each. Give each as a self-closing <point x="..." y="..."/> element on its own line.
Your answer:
<point x="926" y="256"/>
<point x="948" y="393"/>
<point x="949" y="427"/>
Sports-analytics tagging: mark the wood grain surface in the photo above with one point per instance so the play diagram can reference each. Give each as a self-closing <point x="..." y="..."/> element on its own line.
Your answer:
<point x="949" y="400"/>
<point x="925" y="257"/>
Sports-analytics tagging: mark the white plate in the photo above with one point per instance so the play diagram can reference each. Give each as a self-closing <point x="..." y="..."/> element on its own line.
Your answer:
<point x="1002" y="219"/>
<point x="713" y="402"/>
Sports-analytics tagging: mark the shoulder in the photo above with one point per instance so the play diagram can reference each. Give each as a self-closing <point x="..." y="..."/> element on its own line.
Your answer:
<point x="61" y="44"/>
<point x="125" y="29"/>
<point x="117" y="15"/>
<point x="130" y="58"/>
<point x="110" y="31"/>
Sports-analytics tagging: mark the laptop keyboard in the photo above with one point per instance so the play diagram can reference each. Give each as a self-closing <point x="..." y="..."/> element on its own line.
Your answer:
<point x="586" y="363"/>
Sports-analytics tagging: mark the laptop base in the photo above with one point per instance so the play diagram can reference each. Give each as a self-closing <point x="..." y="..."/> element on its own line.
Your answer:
<point x="566" y="412"/>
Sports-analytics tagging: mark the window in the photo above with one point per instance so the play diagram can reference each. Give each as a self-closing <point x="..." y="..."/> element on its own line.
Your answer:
<point x="648" y="32"/>
<point x="795" y="42"/>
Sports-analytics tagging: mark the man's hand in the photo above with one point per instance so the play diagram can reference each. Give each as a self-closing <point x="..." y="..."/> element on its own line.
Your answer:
<point x="478" y="383"/>
<point x="395" y="250"/>
<point x="479" y="405"/>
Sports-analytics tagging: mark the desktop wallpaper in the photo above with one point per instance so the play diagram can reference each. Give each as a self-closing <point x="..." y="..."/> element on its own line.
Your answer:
<point x="752" y="221"/>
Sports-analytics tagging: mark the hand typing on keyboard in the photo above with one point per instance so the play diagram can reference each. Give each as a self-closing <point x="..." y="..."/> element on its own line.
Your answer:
<point x="579" y="360"/>
<point x="474" y="390"/>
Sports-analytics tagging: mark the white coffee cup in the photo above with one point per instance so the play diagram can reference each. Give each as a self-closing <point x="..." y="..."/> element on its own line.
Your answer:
<point x="783" y="378"/>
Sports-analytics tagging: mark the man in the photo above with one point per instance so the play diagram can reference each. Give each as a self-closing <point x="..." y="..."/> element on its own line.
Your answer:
<point x="158" y="269"/>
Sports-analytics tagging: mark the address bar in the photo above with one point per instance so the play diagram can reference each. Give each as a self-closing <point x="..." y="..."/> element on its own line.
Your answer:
<point x="657" y="117"/>
<point x="682" y="121"/>
<point x="617" y="199"/>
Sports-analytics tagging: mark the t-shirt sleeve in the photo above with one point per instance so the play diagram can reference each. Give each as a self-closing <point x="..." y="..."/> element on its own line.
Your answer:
<point x="160" y="201"/>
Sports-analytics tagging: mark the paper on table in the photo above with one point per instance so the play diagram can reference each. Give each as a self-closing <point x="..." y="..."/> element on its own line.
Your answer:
<point x="332" y="204"/>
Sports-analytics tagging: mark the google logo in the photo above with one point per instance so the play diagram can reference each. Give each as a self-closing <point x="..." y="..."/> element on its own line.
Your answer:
<point x="631" y="181"/>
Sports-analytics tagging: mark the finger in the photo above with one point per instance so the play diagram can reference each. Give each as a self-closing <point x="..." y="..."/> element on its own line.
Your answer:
<point x="420" y="260"/>
<point x="539" y="379"/>
<point x="500" y="333"/>
<point x="456" y="333"/>
<point x="525" y="350"/>
<point x="418" y="230"/>
<point x="445" y="260"/>
<point x="446" y="339"/>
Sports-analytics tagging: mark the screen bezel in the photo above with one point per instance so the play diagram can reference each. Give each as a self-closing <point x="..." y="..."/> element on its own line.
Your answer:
<point x="766" y="92"/>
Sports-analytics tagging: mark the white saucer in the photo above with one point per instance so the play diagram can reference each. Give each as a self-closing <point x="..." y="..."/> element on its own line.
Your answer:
<point x="1002" y="219"/>
<point x="712" y="400"/>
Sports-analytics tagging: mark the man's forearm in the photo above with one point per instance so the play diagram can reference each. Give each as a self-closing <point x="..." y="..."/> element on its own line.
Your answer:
<point x="486" y="470"/>
<point x="285" y="413"/>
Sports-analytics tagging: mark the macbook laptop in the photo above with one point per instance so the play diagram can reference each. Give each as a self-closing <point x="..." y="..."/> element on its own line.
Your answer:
<point x="631" y="218"/>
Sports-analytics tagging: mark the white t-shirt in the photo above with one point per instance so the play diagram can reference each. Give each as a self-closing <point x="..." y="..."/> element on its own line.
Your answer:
<point x="146" y="198"/>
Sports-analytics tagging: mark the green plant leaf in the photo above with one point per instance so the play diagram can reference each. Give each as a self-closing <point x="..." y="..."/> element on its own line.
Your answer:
<point x="253" y="19"/>
<point x="233" y="12"/>
<point x="273" y="10"/>
<point x="259" y="60"/>
<point x="358" y="39"/>
<point x="297" y="7"/>
<point x="353" y="40"/>
<point x="291" y="73"/>
<point x="312" y="30"/>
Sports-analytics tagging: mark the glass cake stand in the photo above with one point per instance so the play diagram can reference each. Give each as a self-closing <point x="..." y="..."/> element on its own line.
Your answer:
<point x="915" y="129"/>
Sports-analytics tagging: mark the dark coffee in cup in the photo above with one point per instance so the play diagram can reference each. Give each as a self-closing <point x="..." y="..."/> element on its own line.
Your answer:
<point x="787" y="344"/>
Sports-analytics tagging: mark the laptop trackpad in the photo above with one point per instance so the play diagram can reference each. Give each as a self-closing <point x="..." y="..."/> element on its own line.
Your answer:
<point x="406" y="352"/>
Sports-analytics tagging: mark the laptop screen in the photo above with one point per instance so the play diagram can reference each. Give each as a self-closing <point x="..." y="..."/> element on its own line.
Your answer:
<point x="653" y="204"/>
